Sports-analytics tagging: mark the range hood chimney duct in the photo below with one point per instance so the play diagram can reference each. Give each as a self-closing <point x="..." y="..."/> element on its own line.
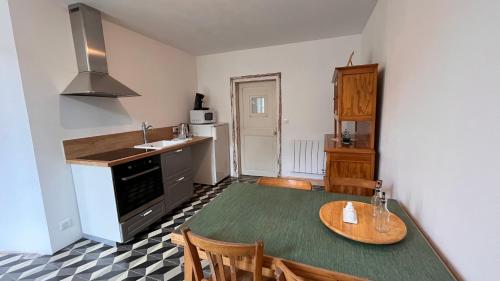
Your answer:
<point x="93" y="78"/>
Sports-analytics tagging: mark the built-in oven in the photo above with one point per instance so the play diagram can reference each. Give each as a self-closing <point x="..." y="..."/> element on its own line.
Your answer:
<point x="138" y="185"/>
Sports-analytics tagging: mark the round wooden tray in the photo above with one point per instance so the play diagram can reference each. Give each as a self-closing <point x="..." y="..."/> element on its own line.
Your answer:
<point x="331" y="215"/>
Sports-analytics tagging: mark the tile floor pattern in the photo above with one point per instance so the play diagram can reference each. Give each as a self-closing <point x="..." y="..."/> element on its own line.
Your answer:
<point x="150" y="256"/>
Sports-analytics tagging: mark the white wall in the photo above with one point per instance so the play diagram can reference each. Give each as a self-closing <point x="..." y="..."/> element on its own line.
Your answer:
<point x="166" y="77"/>
<point x="21" y="206"/>
<point x="440" y="130"/>
<point x="307" y="92"/>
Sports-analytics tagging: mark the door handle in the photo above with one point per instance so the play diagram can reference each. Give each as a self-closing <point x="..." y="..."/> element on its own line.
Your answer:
<point x="180" y="179"/>
<point x="275" y="133"/>
<point x="147" y="213"/>
<point x="179" y="150"/>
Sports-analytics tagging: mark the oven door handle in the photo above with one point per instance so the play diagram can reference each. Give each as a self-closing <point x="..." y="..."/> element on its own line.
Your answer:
<point x="140" y="173"/>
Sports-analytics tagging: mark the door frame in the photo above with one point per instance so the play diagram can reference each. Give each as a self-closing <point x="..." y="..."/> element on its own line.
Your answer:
<point x="235" y="116"/>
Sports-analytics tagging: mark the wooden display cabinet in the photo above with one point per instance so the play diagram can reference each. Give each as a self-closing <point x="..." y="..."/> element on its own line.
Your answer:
<point x="355" y="102"/>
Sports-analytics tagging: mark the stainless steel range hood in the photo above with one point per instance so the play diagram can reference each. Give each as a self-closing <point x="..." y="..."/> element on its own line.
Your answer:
<point x="93" y="78"/>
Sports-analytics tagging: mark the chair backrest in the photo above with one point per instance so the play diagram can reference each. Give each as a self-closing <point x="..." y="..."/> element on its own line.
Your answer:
<point x="293" y="271"/>
<point x="284" y="182"/>
<point x="219" y="251"/>
<point x="352" y="185"/>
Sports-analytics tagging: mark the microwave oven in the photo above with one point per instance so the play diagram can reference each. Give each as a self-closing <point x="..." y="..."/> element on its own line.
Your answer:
<point x="201" y="116"/>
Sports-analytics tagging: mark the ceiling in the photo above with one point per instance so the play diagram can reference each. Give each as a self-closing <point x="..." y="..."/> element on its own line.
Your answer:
<point x="213" y="26"/>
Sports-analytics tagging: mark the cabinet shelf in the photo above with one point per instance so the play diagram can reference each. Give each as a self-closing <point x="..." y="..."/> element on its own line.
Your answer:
<point x="360" y="143"/>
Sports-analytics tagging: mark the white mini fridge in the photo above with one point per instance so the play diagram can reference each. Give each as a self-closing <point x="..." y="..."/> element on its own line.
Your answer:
<point x="211" y="158"/>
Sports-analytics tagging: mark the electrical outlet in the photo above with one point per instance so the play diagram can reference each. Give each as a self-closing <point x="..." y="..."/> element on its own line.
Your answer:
<point x="65" y="224"/>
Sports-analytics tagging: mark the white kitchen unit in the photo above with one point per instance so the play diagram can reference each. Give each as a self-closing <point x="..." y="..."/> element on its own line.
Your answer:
<point x="118" y="202"/>
<point x="211" y="159"/>
<point x="106" y="196"/>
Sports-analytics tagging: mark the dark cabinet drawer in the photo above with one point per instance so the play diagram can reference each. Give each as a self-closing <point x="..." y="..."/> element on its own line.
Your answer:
<point x="132" y="226"/>
<point x="178" y="189"/>
<point x="174" y="162"/>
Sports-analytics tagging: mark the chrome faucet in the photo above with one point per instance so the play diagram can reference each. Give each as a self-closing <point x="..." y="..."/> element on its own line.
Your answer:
<point x="145" y="128"/>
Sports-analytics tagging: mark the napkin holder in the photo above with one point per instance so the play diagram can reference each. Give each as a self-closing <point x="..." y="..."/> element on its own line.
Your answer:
<point x="349" y="214"/>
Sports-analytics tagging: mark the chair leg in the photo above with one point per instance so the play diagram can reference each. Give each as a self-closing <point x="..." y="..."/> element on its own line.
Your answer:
<point x="188" y="267"/>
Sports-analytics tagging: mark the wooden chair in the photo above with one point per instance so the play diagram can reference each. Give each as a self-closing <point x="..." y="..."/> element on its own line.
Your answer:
<point x="284" y="182"/>
<point x="217" y="252"/>
<point x="283" y="273"/>
<point x="293" y="271"/>
<point x="355" y="186"/>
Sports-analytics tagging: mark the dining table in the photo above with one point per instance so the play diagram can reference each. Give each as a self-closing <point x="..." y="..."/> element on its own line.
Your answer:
<point x="288" y="222"/>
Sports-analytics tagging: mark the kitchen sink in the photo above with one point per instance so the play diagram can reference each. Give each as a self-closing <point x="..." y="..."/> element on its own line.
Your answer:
<point x="161" y="144"/>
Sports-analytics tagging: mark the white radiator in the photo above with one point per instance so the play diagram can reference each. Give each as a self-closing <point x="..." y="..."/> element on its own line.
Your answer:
<point x="308" y="156"/>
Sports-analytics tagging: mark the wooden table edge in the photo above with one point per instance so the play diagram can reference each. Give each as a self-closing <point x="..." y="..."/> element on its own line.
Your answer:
<point x="268" y="265"/>
<point x="448" y="267"/>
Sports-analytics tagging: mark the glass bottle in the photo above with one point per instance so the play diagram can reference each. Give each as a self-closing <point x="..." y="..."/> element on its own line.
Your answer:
<point x="382" y="216"/>
<point x="375" y="201"/>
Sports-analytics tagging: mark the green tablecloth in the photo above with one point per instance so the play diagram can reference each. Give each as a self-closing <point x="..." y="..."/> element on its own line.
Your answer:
<point x="287" y="221"/>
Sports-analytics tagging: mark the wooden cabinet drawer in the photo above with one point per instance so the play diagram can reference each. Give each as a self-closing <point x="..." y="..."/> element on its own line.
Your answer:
<point x="132" y="226"/>
<point x="176" y="161"/>
<point x="349" y="165"/>
<point x="360" y="170"/>
<point x="355" y="157"/>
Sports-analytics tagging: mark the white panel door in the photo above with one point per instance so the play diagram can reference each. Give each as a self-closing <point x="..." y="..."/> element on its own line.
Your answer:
<point x="258" y="127"/>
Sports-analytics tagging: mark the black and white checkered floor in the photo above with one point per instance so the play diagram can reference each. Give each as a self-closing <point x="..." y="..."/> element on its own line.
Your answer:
<point x="150" y="256"/>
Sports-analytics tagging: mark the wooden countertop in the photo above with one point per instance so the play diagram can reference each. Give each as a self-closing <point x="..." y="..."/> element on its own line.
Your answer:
<point x="358" y="146"/>
<point x="79" y="161"/>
